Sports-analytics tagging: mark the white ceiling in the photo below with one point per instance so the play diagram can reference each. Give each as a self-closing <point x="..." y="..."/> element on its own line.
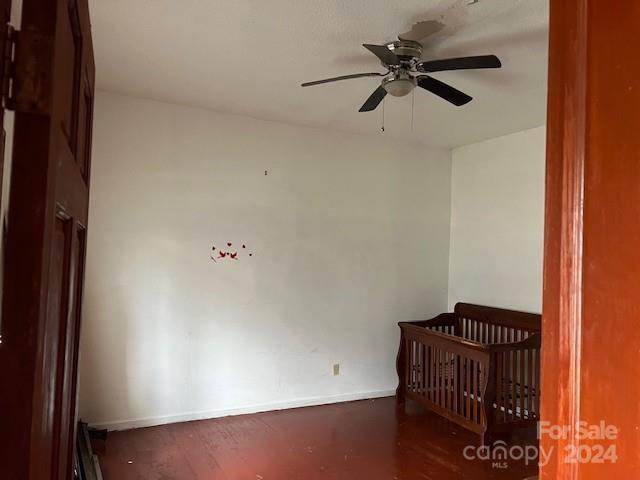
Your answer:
<point x="248" y="57"/>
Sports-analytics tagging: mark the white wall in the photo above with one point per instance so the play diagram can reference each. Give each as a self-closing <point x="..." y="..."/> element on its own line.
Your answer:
<point x="350" y="234"/>
<point x="497" y="216"/>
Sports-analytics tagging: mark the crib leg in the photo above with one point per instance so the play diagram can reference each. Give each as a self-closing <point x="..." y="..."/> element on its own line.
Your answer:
<point x="401" y="365"/>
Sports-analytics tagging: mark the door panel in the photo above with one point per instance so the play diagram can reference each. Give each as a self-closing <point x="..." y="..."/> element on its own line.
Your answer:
<point x="70" y="64"/>
<point x="46" y="241"/>
<point x="57" y="312"/>
<point x="5" y="144"/>
<point x="85" y="122"/>
<point x="5" y="14"/>
<point x="591" y="367"/>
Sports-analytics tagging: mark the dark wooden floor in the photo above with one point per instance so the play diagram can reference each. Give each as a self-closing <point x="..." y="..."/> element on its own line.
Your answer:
<point x="369" y="440"/>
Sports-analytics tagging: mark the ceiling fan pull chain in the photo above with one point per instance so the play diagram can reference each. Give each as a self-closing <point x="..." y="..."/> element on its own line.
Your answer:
<point x="413" y="97"/>
<point x="382" y="128"/>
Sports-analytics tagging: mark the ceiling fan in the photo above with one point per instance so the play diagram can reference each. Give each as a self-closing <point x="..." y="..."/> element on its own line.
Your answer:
<point x="406" y="70"/>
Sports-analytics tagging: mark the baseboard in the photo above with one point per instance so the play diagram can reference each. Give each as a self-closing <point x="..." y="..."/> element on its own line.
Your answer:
<point x="247" y="409"/>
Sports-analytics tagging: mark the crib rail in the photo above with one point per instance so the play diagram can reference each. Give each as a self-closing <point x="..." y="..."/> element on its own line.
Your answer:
<point x="490" y="325"/>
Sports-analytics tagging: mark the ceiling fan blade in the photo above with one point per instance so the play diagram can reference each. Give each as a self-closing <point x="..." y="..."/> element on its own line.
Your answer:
<point x="374" y="100"/>
<point x="343" y="77"/>
<point x="421" y="30"/>
<point x="447" y="92"/>
<point x="462" y="63"/>
<point x="383" y="53"/>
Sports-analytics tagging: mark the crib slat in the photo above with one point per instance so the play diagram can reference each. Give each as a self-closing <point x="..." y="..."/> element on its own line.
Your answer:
<point x="512" y="383"/>
<point x="434" y="374"/>
<point x="453" y="393"/>
<point x="467" y="387"/>
<point x="445" y="379"/>
<point x="439" y="377"/>
<point x="536" y="383"/>
<point x="473" y="391"/>
<point x="456" y="380"/>
<point x="461" y="385"/>
<point x="532" y="389"/>
<point x="427" y="369"/>
<point x="522" y="381"/>
<point x="452" y="382"/>
<point x="481" y="383"/>
<point x="505" y="386"/>
<point x="498" y="363"/>
<point x="421" y="362"/>
<point x="476" y="391"/>
<point x="416" y="356"/>
<point x="530" y="383"/>
<point x="449" y="379"/>
<point x="427" y="373"/>
<point x="516" y="383"/>
<point x="407" y="370"/>
<point x="413" y="366"/>
<point x="422" y="369"/>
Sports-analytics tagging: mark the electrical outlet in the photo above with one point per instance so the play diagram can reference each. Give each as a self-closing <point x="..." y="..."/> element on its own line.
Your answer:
<point x="336" y="369"/>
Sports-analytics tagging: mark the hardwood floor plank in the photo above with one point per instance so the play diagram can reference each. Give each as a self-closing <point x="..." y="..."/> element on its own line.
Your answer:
<point x="370" y="440"/>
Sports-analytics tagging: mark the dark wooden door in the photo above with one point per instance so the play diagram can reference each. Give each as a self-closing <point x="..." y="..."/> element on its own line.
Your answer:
<point x="53" y="99"/>
<point x="591" y="312"/>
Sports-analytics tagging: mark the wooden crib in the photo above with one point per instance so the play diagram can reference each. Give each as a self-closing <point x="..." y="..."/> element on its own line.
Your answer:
<point x="478" y="367"/>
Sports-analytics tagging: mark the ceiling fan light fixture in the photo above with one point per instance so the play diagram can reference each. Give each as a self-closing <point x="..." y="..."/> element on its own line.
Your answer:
<point x="399" y="87"/>
<point x="406" y="70"/>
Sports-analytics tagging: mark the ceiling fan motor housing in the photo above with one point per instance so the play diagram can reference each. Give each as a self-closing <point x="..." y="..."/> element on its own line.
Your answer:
<point x="406" y="50"/>
<point x="401" y="82"/>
